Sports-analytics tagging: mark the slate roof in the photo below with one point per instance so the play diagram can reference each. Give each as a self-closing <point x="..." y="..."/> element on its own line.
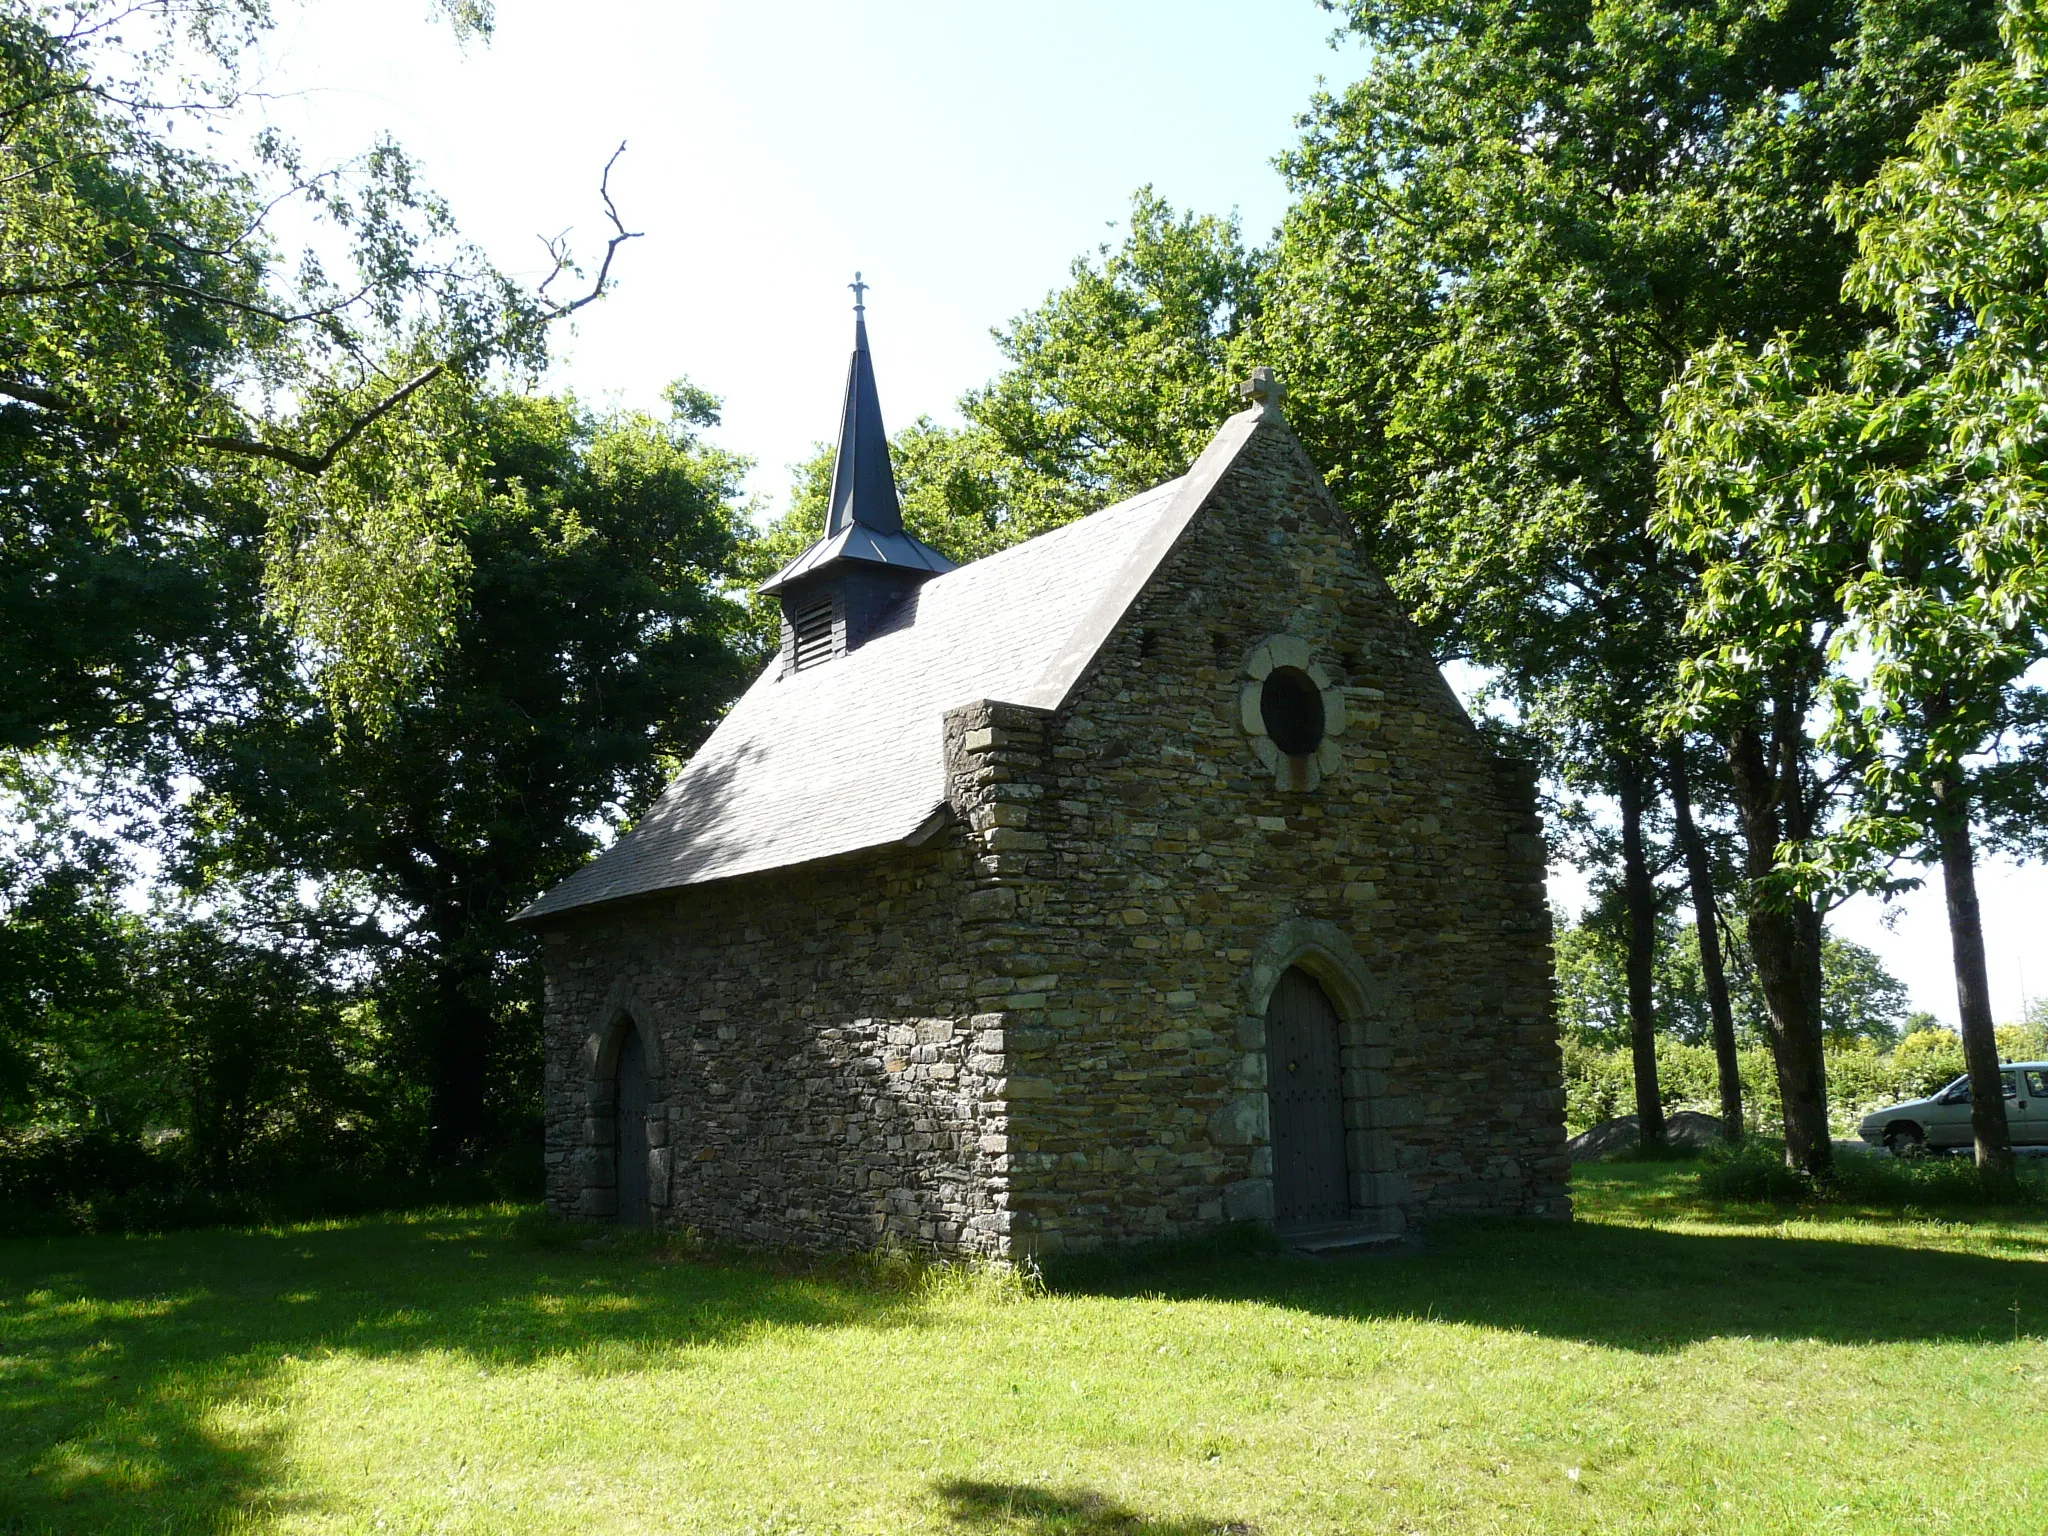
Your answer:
<point x="849" y="755"/>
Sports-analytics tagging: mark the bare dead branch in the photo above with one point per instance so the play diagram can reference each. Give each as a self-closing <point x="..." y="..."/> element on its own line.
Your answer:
<point x="557" y="248"/>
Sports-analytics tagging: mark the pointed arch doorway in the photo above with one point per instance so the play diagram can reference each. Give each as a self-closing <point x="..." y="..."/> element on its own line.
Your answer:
<point x="1305" y="1096"/>
<point x="629" y="1129"/>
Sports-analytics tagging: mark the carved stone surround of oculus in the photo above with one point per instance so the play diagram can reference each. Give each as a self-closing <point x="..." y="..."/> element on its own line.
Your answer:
<point x="1293" y="712"/>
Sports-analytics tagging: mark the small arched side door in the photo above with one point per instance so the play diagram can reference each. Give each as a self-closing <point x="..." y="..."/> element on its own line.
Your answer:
<point x="629" y="1129"/>
<point x="1305" y="1097"/>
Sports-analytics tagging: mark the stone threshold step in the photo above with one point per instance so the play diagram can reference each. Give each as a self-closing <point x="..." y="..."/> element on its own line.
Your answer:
<point x="1345" y="1237"/>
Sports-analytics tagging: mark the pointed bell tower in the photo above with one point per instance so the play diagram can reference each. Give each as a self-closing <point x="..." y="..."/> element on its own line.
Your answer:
<point x="838" y="592"/>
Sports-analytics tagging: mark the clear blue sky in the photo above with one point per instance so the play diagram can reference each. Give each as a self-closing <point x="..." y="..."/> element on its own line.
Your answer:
<point x="960" y="155"/>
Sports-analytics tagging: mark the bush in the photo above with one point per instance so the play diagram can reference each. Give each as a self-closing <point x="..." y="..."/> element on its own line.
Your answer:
<point x="1925" y="1060"/>
<point x="1926" y="1182"/>
<point x="1861" y="1078"/>
<point x="103" y="1181"/>
<point x="2022" y="1042"/>
<point x="1754" y="1173"/>
<point x="1862" y="1075"/>
<point x="1600" y="1083"/>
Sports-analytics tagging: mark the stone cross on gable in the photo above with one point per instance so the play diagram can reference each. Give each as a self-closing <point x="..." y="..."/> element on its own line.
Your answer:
<point x="1266" y="390"/>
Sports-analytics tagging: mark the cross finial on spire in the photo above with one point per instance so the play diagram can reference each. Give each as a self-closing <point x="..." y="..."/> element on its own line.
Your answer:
<point x="860" y="290"/>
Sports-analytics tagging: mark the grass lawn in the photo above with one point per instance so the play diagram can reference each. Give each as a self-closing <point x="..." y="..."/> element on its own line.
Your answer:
<point x="1658" y="1365"/>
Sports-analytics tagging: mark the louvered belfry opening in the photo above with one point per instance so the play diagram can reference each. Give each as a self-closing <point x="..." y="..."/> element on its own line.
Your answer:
<point x="811" y="637"/>
<point x="845" y="588"/>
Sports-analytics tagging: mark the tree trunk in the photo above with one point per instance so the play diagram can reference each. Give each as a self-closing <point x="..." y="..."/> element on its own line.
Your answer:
<point x="459" y="1054"/>
<point x="1973" y="982"/>
<point x="1784" y="941"/>
<point x="1641" y="898"/>
<point x="1699" y="872"/>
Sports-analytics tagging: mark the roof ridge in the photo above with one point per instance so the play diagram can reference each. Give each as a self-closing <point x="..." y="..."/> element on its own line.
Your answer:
<point x="1035" y="545"/>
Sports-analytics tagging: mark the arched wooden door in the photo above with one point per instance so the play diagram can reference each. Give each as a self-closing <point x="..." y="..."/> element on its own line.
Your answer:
<point x="1305" y="1093"/>
<point x="629" y="1129"/>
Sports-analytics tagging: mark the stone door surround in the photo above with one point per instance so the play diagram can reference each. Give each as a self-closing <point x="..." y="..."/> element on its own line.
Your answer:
<point x="1364" y="1011"/>
<point x="624" y="1014"/>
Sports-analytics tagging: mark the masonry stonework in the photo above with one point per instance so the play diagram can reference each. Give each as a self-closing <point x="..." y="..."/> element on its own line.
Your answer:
<point x="1043" y="1028"/>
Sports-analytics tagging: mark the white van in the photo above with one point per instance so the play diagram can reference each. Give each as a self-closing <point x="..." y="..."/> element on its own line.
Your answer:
<point x="1941" y="1121"/>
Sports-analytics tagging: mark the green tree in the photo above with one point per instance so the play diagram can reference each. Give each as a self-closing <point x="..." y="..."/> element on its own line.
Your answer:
<point x="1892" y="496"/>
<point x="1507" y="239"/>
<point x="163" y="357"/>
<point x="63" y="941"/>
<point x="1111" y="386"/>
<point x="1928" y="1059"/>
<point x="245" y="1047"/>
<point x="595" y="648"/>
<point x="1118" y="380"/>
<point x="959" y="491"/>
<point x="1703" y="879"/>
<point x="233" y="1051"/>
<point x="1862" y="999"/>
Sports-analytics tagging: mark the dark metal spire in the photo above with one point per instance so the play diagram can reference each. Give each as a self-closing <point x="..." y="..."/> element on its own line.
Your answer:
<point x="836" y="593"/>
<point x="863" y="485"/>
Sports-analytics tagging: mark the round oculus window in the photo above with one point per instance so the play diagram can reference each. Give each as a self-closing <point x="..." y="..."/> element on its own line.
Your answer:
<point x="1291" y="708"/>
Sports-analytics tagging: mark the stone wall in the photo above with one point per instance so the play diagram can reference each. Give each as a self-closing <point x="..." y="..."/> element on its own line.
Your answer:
<point x="1143" y="875"/>
<point x="821" y="1081"/>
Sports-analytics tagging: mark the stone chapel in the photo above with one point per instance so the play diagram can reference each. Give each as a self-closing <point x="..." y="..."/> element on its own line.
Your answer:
<point x="1143" y="877"/>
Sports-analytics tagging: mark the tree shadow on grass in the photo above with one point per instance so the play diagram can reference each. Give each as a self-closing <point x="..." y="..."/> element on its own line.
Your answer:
<point x="127" y="1364"/>
<point x="1635" y="1288"/>
<point x="124" y="1362"/>
<point x="1020" y="1509"/>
